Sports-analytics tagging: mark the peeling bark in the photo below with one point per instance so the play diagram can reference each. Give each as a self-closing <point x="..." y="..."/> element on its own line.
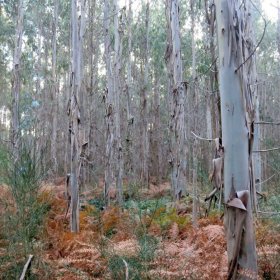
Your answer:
<point x="237" y="131"/>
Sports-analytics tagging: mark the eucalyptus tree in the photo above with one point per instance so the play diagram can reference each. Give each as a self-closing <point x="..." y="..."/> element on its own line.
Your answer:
<point x="129" y="166"/>
<point x="109" y="103"/>
<point x="237" y="108"/>
<point x="144" y="102"/>
<point x="117" y="88"/>
<point x="75" y="108"/>
<point x="16" y="82"/>
<point x="54" y="93"/>
<point x="177" y="93"/>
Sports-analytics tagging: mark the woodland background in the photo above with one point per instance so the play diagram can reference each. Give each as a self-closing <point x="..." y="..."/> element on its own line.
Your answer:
<point x="126" y="44"/>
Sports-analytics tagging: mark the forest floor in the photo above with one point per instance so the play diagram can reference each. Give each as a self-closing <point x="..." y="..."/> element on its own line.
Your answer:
<point x="150" y="239"/>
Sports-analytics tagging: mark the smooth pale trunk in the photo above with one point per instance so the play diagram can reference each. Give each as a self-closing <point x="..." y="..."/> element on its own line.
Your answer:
<point x="74" y="116"/>
<point x="235" y="142"/>
<point x="109" y="103"/>
<point x="144" y="104"/>
<point x="15" y="129"/>
<point x="178" y="131"/>
<point x="54" y="91"/>
<point x="129" y="118"/>
<point x="117" y="93"/>
<point x="257" y="164"/>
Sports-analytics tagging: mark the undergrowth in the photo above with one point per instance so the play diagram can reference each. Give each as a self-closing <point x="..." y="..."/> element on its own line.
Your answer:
<point x="23" y="214"/>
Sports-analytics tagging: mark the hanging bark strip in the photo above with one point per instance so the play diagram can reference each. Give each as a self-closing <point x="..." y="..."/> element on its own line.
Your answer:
<point x="237" y="109"/>
<point x="177" y="91"/>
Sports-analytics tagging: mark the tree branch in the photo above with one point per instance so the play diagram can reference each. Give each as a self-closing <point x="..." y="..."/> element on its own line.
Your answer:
<point x="272" y="123"/>
<point x="26" y="267"/>
<point x="201" y="138"/>
<point x="260" y="183"/>
<point x="268" y="150"/>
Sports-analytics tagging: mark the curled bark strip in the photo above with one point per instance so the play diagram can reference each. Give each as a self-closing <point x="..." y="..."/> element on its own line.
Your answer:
<point x="237" y="203"/>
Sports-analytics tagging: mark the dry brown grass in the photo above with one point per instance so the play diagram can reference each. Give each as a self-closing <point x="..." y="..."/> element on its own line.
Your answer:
<point x="183" y="252"/>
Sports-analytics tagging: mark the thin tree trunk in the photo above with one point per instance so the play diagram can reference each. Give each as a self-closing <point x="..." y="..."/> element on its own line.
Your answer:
<point x="109" y="103"/>
<point x="157" y="129"/>
<point x="83" y="142"/>
<point x="257" y="163"/>
<point x="117" y="93"/>
<point x="129" y="118"/>
<point x="74" y="114"/>
<point x="178" y="160"/>
<point x="194" y="104"/>
<point x="278" y="27"/>
<point x="94" y="54"/>
<point x="15" y="126"/>
<point x="54" y="91"/>
<point x="144" y="104"/>
<point x="236" y="107"/>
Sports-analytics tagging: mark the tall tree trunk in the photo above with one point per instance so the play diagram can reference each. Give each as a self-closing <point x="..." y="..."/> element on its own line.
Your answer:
<point x="74" y="114"/>
<point x="213" y="97"/>
<point x="83" y="142"/>
<point x="178" y="153"/>
<point x="194" y="104"/>
<point x="117" y="93"/>
<point x="54" y="90"/>
<point x="109" y="103"/>
<point x="15" y="126"/>
<point x="144" y="104"/>
<point x="94" y="55"/>
<point x="129" y="117"/>
<point x="278" y="27"/>
<point x="237" y="133"/>
<point x="157" y="129"/>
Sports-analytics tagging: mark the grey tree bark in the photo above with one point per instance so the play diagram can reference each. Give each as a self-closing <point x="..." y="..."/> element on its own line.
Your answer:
<point x="144" y="104"/>
<point x="117" y="94"/>
<point x="237" y="133"/>
<point x="129" y="117"/>
<point x="178" y="150"/>
<point x="75" y="115"/>
<point x="54" y="90"/>
<point x="109" y="103"/>
<point x="256" y="157"/>
<point x="15" y="125"/>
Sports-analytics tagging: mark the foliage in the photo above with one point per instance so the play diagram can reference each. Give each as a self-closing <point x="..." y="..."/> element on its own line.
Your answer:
<point x="137" y="265"/>
<point x="23" y="213"/>
<point x="117" y="267"/>
<point x="166" y="217"/>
